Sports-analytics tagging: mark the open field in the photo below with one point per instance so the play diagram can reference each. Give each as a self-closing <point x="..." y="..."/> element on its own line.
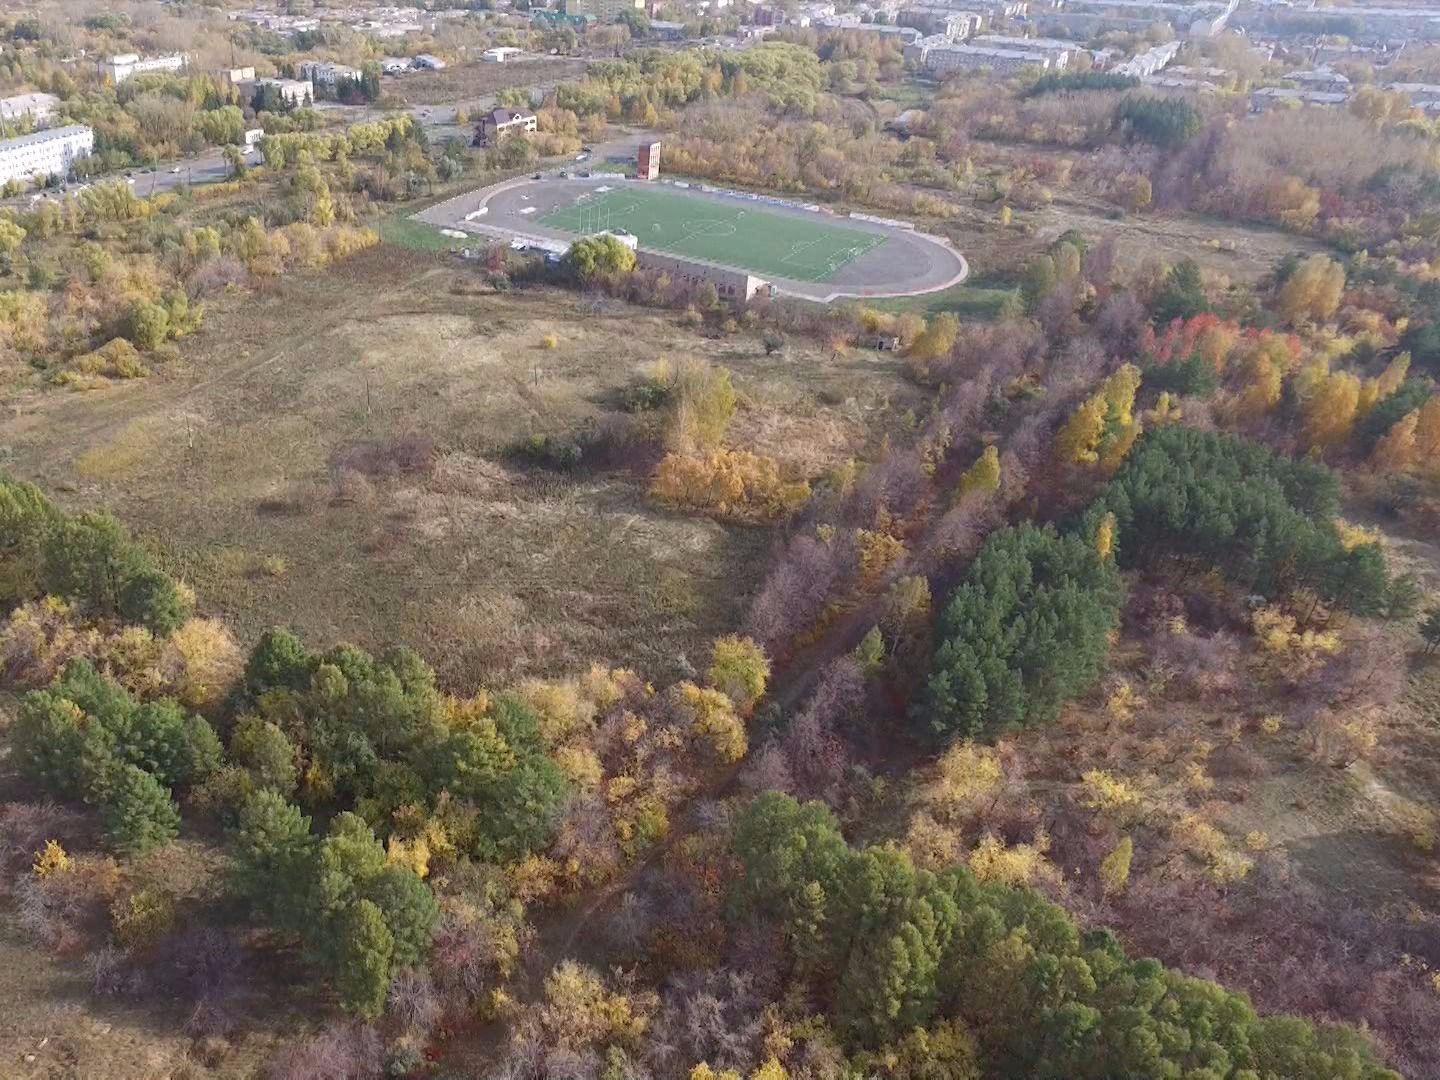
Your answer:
<point x="753" y="239"/>
<point x="284" y="468"/>
<point x="463" y="83"/>
<point x="1241" y="252"/>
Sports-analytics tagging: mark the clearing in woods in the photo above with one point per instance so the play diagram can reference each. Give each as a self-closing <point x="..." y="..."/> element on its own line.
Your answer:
<point x="748" y="237"/>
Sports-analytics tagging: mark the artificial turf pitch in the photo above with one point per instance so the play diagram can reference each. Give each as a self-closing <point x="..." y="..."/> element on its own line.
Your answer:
<point x="748" y="237"/>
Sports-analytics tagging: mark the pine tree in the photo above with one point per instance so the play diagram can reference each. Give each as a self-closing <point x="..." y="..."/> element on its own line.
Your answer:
<point x="410" y="912"/>
<point x="138" y="813"/>
<point x="363" y="959"/>
<point x="273" y="854"/>
<point x="1027" y="629"/>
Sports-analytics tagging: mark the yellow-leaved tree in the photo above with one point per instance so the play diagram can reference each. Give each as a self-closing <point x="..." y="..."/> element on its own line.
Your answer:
<point x="1328" y="405"/>
<point x="1105" y="536"/>
<point x="983" y="476"/>
<point x="1104" y="428"/>
<point x="937" y="339"/>
<point x="1312" y="292"/>
<point x="1166" y="410"/>
<point x="1427" y="433"/>
<point x="1115" y="867"/>
<point x="739" y="669"/>
<point x="1373" y="391"/>
<point x="1077" y="441"/>
<point x="1396" y="450"/>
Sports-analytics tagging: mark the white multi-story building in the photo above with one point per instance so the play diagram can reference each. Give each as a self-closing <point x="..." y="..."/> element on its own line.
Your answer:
<point x="851" y="24"/>
<point x="322" y="73"/>
<point x="38" y="108"/>
<point x="1056" y="48"/>
<point x="941" y="57"/>
<point x="1271" y="96"/>
<point x="296" y="92"/>
<point x="121" y="67"/>
<point x="45" y="153"/>
<point x="931" y="19"/>
<point x="1148" y="62"/>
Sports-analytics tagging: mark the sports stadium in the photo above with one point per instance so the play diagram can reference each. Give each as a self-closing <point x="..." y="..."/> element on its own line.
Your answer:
<point x="796" y="249"/>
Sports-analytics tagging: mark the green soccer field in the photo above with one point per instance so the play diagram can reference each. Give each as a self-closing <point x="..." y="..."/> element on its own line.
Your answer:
<point x="747" y="237"/>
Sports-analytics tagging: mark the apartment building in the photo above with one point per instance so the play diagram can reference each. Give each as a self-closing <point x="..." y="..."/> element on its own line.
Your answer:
<point x="45" y="153"/>
<point x="322" y="73"/>
<point x="1056" y="48"/>
<point x="36" y="108"/>
<point x="293" y="92"/>
<point x="121" y="67"/>
<point x="941" y="57"/>
<point x="604" y="10"/>
<point x="931" y="20"/>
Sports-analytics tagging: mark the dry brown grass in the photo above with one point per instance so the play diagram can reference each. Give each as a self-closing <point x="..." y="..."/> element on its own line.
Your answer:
<point x="270" y="441"/>
<point x="1240" y="252"/>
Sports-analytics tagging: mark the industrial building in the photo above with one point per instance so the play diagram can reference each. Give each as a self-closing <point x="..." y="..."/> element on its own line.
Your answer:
<point x="45" y="153"/>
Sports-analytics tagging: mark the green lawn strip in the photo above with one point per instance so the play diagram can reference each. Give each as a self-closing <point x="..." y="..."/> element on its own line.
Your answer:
<point x="966" y="300"/>
<point x="404" y="231"/>
<point x="749" y="237"/>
